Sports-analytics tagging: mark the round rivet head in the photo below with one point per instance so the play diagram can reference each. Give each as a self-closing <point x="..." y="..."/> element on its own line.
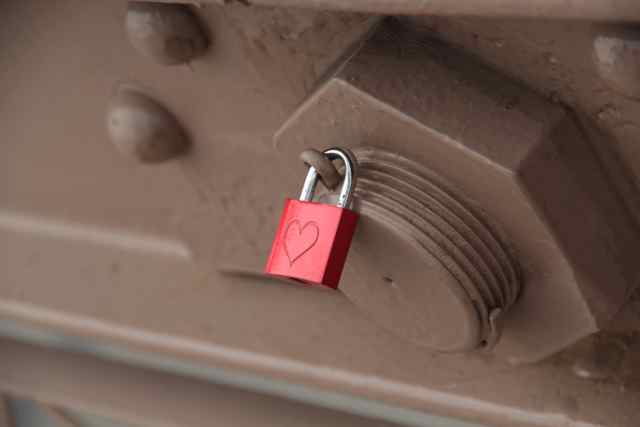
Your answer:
<point x="617" y="57"/>
<point x="143" y="129"/>
<point x="169" y="34"/>
<point x="599" y="357"/>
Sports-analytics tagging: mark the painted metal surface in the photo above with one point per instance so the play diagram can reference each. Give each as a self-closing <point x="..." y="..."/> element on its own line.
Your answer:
<point x="510" y="155"/>
<point x="612" y="10"/>
<point x="191" y="395"/>
<point x="153" y="266"/>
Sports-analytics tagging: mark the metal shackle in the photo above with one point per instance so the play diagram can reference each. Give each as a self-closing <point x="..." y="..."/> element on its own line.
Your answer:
<point x="348" y="183"/>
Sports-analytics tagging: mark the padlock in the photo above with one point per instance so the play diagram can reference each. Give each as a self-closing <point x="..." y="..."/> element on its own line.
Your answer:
<point x="313" y="239"/>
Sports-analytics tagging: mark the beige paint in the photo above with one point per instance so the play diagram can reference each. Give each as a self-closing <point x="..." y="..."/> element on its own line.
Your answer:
<point x="146" y="397"/>
<point x="556" y="59"/>
<point x="56" y="415"/>
<point x="6" y="418"/>
<point x="520" y="163"/>
<point x="145" y="266"/>
<point x="605" y="10"/>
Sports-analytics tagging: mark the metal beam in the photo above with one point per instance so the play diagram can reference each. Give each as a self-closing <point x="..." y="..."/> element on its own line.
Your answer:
<point x="597" y="10"/>
<point x="6" y="418"/>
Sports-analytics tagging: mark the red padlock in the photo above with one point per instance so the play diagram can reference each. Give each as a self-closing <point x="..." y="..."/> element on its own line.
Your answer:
<point x="313" y="239"/>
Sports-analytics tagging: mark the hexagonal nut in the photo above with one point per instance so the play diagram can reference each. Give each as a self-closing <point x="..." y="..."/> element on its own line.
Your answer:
<point x="521" y="161"/>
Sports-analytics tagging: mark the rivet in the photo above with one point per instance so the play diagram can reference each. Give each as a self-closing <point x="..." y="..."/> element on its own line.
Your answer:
<point x="143" y="129"/>
<point x="599" y="357"/>
<point x="167" y="33"/>
<point x="617" y="57"/>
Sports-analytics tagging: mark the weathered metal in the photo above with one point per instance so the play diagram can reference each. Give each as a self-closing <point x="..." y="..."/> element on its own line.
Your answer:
<point x="143" y="129"/>
<point x="6" y="418"/>
<point x="485" y="137"/>
<point x="158" y="270"/>
<point x="617" y="55"/>
<point x="169" y="34"/>
<point x="611" y="10"/>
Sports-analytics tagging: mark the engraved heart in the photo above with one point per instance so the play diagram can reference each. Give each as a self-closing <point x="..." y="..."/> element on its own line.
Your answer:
<point x="298" y="239"/>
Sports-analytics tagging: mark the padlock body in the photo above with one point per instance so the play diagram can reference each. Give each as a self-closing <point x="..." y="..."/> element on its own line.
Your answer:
<point x="312" y="242"/>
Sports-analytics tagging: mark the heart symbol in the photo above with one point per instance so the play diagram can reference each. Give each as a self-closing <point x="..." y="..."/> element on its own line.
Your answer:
<point x="298" y="239"/>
